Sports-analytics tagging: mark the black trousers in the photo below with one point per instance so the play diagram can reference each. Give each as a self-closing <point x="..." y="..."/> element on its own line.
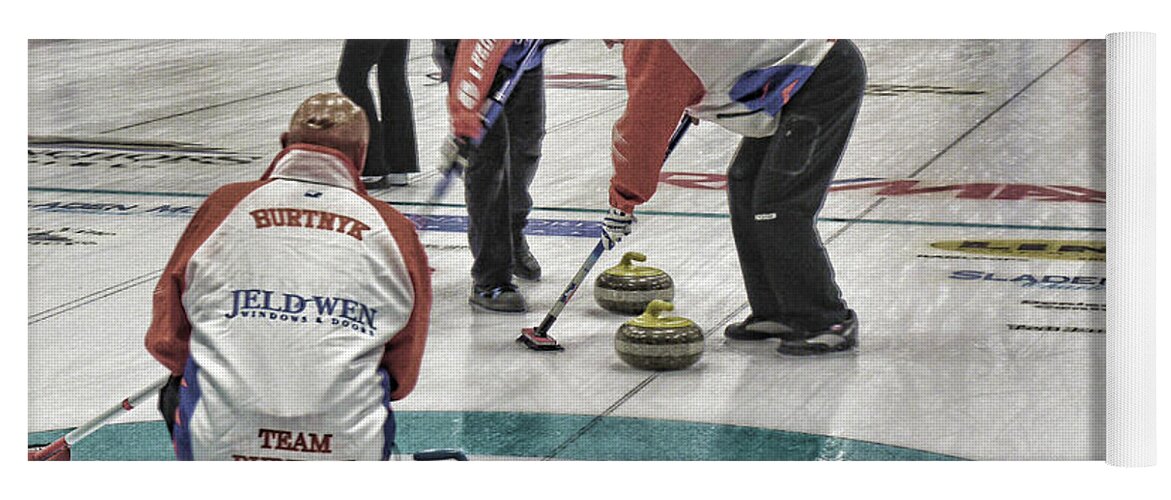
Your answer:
<point x="500" y="171"/>
<point x="392" y="133"/>
<point x="496" y="183"/>
<point x="776" y="187"/>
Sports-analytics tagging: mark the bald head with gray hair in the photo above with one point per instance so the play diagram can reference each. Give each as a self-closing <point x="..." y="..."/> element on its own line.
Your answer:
<point x="332" y="120"/>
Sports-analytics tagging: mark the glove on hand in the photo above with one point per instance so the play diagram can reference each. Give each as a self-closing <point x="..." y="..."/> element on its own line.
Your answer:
<point x="616" y="225"/>
<point x="454" y="156"/>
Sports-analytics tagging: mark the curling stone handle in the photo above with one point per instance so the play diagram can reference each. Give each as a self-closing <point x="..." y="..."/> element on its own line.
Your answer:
<point x="656" y="308"/>
<point x="629" y="256"/>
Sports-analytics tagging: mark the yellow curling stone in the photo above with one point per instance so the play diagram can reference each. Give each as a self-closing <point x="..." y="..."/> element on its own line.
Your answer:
<point x="628" y="288"/>
<point x="653" y="341"/>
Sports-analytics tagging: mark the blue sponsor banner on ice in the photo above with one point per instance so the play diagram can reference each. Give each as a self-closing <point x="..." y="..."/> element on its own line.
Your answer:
<point x="539" y="227"/>
<point x="104" y="208"/>
<point x="442" y="223"/>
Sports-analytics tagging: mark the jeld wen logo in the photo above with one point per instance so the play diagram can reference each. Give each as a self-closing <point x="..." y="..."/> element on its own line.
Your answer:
<point x="1035" y="249"/>
<point x="313" y="219"/>
<point x="294" y="308"/>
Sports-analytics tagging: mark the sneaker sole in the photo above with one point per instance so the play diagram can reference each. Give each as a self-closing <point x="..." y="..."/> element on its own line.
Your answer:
<point x="486" y="308"/>
<point x="750" y="336"/>
<point x="747" y="334"/>
<point x="806" y="349"/>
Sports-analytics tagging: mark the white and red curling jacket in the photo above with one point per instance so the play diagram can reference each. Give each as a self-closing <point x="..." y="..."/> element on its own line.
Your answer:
<point x="296" y="307"/>
<point x="741" y="85"/>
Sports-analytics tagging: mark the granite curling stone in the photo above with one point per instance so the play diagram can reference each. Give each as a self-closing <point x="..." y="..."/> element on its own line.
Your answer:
<point x="653" y="341"/>
<point x="627" y="288"/>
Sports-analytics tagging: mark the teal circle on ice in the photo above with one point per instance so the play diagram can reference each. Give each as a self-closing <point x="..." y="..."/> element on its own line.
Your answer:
<point x="545" y="435"/>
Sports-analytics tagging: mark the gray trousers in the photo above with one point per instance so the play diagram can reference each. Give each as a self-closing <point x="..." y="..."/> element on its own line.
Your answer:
<point x="776" y="187"/>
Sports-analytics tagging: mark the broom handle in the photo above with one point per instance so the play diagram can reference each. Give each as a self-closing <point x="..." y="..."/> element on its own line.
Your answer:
<point x="101" y="420"/>
<point x="680" y="129"/>
<point x="542" y="330"/>
<point x="502" y="94"/>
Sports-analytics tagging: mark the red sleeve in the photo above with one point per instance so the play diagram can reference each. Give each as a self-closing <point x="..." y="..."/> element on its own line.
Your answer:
<point x="659" y="86"/>
<point x="404" y="352"/>
<point x="475" y="66"/>
<point x="169" y="332"/>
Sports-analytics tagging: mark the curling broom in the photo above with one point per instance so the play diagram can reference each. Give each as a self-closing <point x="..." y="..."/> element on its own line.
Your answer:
<point x="537" y="338"/>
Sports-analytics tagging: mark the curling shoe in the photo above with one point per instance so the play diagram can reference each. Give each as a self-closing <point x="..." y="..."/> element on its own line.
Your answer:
<point x="838" y="337"/>
<point x="755" y="328"/>
<point x="503" y="298"/>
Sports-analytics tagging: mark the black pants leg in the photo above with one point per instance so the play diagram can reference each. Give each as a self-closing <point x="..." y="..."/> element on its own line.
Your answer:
<point x="486" y="195"/>
<point x="400" y="153"/>
<point x="527" y="130"/>
<point x="776" y="187"/>
<point x="353" y="74"/>
<point x="497" y="180"/>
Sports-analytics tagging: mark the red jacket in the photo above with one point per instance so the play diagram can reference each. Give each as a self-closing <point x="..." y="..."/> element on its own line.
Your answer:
<point x="740" y="85"/>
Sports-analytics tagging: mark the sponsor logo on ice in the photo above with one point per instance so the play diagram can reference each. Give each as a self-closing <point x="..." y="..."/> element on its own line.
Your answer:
<point x="95" y="153"/>
<point x="916" y="187"/>
<point x="1053" y="328"/>
<point x="442" y="223"/>
<point x="1034" y="281"/>
<point x="105" y="208"/>
<point x="1033" y="249"/>
<point x="65" y="236"/>
<point x="1065" y="306"/>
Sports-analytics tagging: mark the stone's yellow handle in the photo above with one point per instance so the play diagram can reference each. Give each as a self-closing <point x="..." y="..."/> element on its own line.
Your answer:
<point x="628" y="269"/>
<point x="629" y="256"/>
<point x="655" y="317"/>
<point x="655" y="310"/>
